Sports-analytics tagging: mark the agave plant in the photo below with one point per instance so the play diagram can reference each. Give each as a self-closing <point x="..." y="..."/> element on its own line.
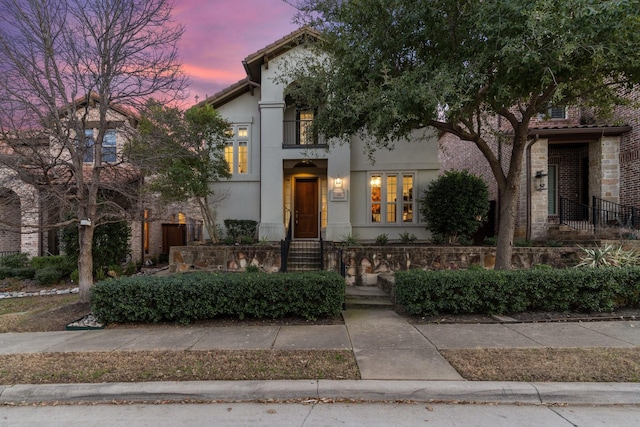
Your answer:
<point x="608" y="256"/>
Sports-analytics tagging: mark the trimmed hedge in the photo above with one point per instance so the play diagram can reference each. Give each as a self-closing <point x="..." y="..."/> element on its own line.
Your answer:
<point x="187" y="297"/>
<point x="49" y="276"/>
<point x="429" y="293"/>
<point x="17" y="272"/>
<point x="61" y="262"/>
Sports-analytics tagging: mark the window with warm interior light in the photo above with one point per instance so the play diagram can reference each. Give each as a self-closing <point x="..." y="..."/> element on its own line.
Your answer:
<point x="236" y="150"/>
<point x="391" y="198"/>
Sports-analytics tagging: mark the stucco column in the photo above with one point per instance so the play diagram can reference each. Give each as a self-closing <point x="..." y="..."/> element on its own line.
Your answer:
<point x="339" y="222"/>
<point x="271" y="195"/>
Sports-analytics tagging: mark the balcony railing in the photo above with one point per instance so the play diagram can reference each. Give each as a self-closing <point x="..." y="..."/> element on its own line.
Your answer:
<point x="300" y="133"/>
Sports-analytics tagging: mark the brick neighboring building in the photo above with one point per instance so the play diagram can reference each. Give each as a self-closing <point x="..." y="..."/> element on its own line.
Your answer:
<point x="573" y="160"/>
<point x="28" y="216"/>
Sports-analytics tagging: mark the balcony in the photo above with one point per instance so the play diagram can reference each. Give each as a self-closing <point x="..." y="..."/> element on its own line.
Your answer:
<point x="300" y="134"/>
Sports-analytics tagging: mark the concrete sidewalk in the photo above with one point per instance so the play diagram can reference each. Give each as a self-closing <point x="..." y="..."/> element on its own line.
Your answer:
<point x="389" y="351"/>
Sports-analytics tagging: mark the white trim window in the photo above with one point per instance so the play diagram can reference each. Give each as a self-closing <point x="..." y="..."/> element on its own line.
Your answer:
<point x="236" y="150"/>
<point x="391" y="198"/>
<point x="109" y="145"/>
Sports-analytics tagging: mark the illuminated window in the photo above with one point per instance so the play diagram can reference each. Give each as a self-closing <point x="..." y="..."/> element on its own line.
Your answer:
<point x="182" y="218"/>
<point x="147" y="214"/>
<point x="236" y="151"/>
<point x="228" y="155"/>
<point x="391" y="196"/>
<point x="306" y="128"/>
<point x="242" y="157"/>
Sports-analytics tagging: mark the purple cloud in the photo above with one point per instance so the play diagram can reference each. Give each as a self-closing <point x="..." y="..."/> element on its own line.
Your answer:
<point x="220" y="34"/>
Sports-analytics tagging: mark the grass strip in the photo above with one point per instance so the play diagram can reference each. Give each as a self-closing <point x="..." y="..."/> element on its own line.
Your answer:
<point x="547" y="364"/>
<point x="138" y="366"/>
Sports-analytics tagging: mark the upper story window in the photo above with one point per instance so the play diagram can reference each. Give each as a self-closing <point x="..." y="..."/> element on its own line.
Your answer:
<point x="236" y="150"/>
<point x="298" y="127"/>
<point x="555" y="112"/>
<point x="108" y="145"/>
<point x="391" y="198"/>
<point x="559" y="112"/>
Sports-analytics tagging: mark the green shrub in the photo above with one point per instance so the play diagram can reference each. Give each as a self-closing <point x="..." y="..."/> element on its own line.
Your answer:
<point x="14" y="260"/>
<point x="61" y="262"/>
<point x="49" y="276"/>
<point x="17" y="272"/>
<point x="407" y="238"/>
<point x="130" y="269"/>
<point x="455" y="205"/>
<point x="350" y="239"/>
<point x="382" y="239"/>
<point x="490" y="241"/>
<point x="6" y="272"/>
<point x="238" y="228"/>
<point x="522" y="243"/>
<point x="252" y="269"/>
<point x="246" y="240"/>
<point x="608" y="256"/>
<point x="187" y="297"/>
<point x="110" y="244"/>
<point x="504" y="292"/>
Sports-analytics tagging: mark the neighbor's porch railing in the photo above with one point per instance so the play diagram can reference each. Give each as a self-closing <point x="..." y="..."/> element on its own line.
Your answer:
<point x="601" y="214"/>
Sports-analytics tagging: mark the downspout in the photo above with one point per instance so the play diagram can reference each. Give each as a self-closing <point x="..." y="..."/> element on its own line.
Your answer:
<point x="528" y="181"/>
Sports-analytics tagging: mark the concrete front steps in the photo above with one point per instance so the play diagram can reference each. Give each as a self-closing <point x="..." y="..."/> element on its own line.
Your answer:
<point x="367" y="297"/>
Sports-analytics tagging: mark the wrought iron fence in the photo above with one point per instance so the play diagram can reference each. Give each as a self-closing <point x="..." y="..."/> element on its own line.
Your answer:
<point x="601" y="214"/>
<point x="299" y="133"/>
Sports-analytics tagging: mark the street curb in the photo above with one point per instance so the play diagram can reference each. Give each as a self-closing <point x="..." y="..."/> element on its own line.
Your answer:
<point x="367" y="390"/>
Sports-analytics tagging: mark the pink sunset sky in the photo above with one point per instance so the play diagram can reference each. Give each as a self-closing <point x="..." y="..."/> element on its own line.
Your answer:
<point x="219" y="34"/>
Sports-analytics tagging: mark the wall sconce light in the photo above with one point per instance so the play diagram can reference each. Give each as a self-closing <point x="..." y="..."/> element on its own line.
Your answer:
<point x="540" y="184"/>
<point x="337" y="183"/>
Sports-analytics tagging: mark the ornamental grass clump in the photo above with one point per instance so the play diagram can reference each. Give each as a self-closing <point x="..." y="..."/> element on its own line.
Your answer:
<point x="608" y="256"/>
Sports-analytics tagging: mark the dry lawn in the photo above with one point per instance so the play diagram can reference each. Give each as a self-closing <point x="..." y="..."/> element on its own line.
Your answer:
<point x="54" y="312"/>
<point x="547" y="364"/>
<point x="137" y="366"/>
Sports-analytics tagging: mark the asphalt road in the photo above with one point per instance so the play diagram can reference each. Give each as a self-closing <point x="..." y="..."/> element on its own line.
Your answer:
<point x="314" y="413"/>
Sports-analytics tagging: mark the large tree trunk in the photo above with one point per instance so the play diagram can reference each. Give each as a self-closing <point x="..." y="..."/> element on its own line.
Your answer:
<point x="209" y="216"/>
<point x="506" y="227"/>
<point x="85" y="262"/>
<point x="509" y="198"/>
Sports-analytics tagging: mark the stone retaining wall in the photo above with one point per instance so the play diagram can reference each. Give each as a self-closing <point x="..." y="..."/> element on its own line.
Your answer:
<point x="224" y="258"/>
<point x="364" y="264"/>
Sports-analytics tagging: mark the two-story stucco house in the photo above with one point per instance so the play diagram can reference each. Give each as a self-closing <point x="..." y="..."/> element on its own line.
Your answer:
<point x="291" y="180"/>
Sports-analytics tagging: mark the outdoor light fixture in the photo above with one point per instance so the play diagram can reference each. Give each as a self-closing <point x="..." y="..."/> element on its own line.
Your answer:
<point x="540" y="184"/>
<point x="337" y="182"/>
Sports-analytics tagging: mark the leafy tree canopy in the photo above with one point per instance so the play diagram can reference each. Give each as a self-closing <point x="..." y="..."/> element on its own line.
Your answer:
<point x="389" y="66"/>
<point x="183" y="153"/>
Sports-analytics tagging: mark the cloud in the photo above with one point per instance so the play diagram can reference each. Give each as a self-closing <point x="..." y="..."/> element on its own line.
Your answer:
<point x="220" y="34"/>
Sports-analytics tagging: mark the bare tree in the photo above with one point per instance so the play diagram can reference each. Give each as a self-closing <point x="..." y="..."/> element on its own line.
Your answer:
<point x="68" y="67"/>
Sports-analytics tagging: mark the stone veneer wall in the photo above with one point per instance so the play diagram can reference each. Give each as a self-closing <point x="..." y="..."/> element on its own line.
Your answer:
<point x="224" y="258"/>
<point x="364" y="264"/>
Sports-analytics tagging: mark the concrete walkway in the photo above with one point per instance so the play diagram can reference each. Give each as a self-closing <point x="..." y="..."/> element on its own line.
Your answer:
<point x="387" y="348"/>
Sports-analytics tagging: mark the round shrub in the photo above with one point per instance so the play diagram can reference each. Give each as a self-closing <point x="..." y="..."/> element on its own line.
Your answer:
<point x="455" y="205"/>
<point x="49" y="276"/>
